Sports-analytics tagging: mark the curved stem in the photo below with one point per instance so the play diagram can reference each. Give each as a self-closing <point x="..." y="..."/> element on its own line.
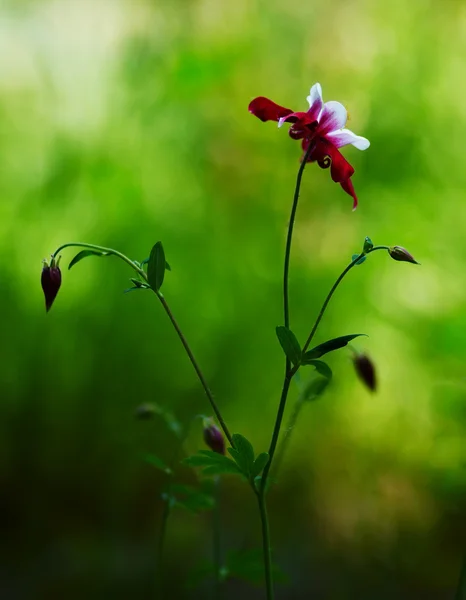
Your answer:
<point x="327" y="300"/>
<point x="267" y="550"/>
<point x="216" y="538"/>
<point x="103" y="249"/>
<point x="183" y="340"/>
<point x="330" y="294"/>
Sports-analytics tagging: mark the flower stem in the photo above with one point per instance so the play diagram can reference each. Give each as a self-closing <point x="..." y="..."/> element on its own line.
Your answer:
<point x="289" y="237"/>
<point x="199" y="373"/>
<point x="216" y="538"/>
<point x="267" y="550"/>
<point x="328" y="298"/>
<point x="461" y="589"/>
<point x="183" y="340"/>
<point x="330" y="294"/>
<point x="287" y="435"/>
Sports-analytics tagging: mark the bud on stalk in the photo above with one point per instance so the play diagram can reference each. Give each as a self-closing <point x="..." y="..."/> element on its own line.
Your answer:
<point x="51" y="281"/>
<point x="213" y="437"/>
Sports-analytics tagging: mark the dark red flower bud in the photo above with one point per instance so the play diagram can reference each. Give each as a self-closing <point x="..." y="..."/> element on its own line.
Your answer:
<point x="51" y="281"/>
<point x="365" y="369"/>
<point x="213" y="437"/>
<point x="400" y="253"/>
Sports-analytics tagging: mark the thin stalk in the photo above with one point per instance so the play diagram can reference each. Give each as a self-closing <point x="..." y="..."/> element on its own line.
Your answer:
<point x="199" y="373"/>
<point x="287" y="435"/>
<point x="216" y="541"/>
<point x="330" y="294"/>
<point x="328" y="298"/>
<point x="461" y="589"/>
<point x="183" y="340"/>
<point x="162" y="537"/>
<point x="289" y="237"/>
<point x="267" y="550"/>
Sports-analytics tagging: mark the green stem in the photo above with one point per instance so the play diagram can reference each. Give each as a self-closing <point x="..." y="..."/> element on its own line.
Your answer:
<point x="286" y="314"/>
<point x="267" y="550"/>
<point x="461" y="589"/>
<point x="287" y="435"/>
<point x="183" y="340"/>
<point x="199" y="373"/>
<point x="103" y="249"/>
<point x="289" y="237"/>
<point x="328" y="298"/>
<point x="162" y="536"/>
<point x="330" y="294"/>
<point x="216" y="538"/>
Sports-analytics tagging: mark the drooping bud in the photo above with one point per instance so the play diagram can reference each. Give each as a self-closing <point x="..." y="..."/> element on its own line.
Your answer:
<point x="400" y="253"/>
<point x="213" y="437"/>
<point x="51" y="281"/>
<point x="365" y="369"/>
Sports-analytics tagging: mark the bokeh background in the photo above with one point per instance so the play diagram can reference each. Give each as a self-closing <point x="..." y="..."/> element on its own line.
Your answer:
<point x="124" y="122"/>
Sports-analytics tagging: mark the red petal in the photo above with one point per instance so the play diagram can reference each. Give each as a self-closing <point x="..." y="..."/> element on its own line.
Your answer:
<point x="266" y="110"/>
<point x="347" y="185"/>
<point x="340" y="169"/>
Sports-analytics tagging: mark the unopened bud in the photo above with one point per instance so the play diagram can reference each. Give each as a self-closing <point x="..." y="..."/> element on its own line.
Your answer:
<point x="365" y="369"/>
<point x="400" y="253"/>
<point x="51" y="281"/>
<point x="368" y="244"/>
<point x="213" y="437"/>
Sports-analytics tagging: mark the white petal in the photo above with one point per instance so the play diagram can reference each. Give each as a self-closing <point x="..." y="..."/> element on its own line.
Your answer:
<point x="332" y="117"/>
<point x="315" y="94"/>
<point x="344" y="137"/>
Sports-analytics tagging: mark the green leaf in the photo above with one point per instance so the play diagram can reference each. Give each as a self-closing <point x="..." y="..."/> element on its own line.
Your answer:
<point x="329" y="346"/>
<point x="157" y="462"/>
<point x="320" y="367"/>
<point x="290" y="344"/>
<point x="368" y="244"/>
<point x="146" y="260"/>
<point x="190" y="498"/>
<point x="360" y="261"/>
<point x="156" y="267"/>
<point x="85" y="254"/>
<point x="212" y="463"/>
<point x="259" y="464"/>
<point x="314" y="389"/>
<point x="243" y="453"/>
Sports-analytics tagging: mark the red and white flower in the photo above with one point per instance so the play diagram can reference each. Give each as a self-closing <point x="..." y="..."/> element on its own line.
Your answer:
<point x="323" y="127"/>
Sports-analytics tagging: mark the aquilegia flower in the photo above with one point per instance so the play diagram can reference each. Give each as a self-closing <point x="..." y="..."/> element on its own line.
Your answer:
<point x="213" y="437"/>
<point x="50" y="281"/>
<point x="321" y="130"/>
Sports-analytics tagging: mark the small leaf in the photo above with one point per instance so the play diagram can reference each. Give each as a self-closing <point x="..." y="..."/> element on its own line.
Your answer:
<point x="360" y="261"/>
<point x="243" y="453"/>
<point x="212" y="463"/>
<point x="290" y="344"/>
<point x="190" y="498"/>
<point x="329" y="346"/>
<point x="85" y="254"/>
<point x="146" y="260"/>
<point x="320" y="367"/>
<point x="259" y="464"/>
<point x="157" y="462"/>
<point x="156" y="267"/>
<point x="314" y="389"/>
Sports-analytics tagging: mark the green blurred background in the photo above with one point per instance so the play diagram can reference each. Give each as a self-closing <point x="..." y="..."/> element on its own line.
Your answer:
<point x="124" y="122"/>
